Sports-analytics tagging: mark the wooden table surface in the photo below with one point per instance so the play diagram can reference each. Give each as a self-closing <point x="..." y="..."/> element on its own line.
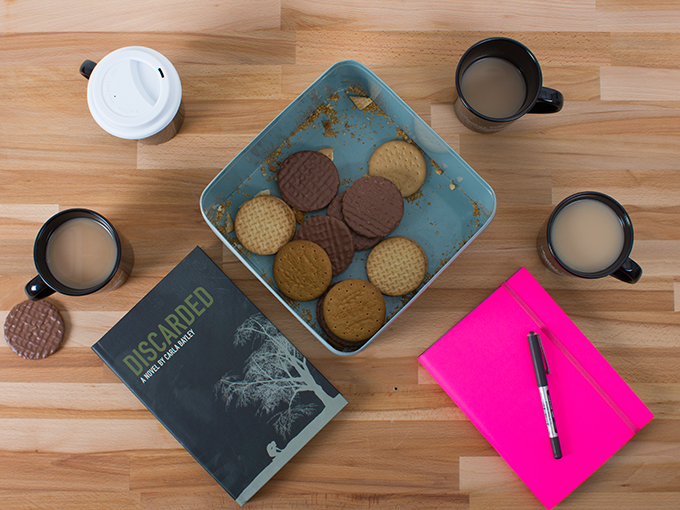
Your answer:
<point x="73" y="437"/>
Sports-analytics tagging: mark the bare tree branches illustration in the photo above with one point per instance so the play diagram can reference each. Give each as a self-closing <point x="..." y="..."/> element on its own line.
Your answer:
<point x="274" y="376"/>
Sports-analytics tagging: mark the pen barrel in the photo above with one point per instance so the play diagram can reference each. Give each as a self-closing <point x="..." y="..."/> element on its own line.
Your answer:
<point x="537" y="360"/>
<point x="542" y="380"/>
<point x="548" y="411"/>
<point x="550" y="422"/>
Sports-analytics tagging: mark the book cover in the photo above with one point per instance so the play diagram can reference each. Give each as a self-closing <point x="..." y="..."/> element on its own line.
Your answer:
<point x="484" y="364"/>
<point x="219" y="376"/>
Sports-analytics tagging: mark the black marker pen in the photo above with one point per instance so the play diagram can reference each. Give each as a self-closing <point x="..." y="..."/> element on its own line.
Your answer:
<point x="538" y="357"/>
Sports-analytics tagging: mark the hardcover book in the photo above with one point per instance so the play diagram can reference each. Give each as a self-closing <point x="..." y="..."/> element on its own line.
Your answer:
<point x="219" y="376"/>
<point x="484" y="364"/>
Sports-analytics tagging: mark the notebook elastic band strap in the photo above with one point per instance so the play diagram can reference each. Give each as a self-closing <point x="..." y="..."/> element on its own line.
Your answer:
<point x="564" y="350"/>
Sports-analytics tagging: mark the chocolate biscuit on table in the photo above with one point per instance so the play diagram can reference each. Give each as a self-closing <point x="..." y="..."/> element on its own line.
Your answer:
<point x="34" y="329"/>
<point x="308" y="180"/>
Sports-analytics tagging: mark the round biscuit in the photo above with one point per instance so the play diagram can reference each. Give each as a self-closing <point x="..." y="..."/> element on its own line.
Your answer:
<point x="373" y="206"/>
<point x="397" y="266"/>
<point x="333" y="235"/>
<point x="336" y="342"/>
<point x="34" y="329"/>
<point x="360" y="242"/>
<point x="400" y="162"/>
<point x="354" y="310"/>
<point x="302" y="270"/>
<point x="308" y="180"/>
<point x="264" y="224"/>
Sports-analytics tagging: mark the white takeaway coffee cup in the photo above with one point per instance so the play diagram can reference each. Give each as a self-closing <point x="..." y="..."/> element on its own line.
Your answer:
<point x="135" y="93"/>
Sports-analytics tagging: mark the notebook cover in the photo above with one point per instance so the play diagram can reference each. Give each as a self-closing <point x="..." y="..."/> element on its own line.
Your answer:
<point x="219" y="376"/>
<point x="484" y="364"/>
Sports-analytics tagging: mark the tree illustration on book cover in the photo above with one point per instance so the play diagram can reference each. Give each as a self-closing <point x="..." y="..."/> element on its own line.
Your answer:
<point x="274" y="377"/>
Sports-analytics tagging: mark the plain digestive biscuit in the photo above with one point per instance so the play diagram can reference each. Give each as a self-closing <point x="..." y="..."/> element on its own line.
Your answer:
<point x="400" y="162"/>
<point x="264" y="224"/>
<point x="397" y="266"/>
<point x="302" y="270"/>
<point x="354" y="310"/>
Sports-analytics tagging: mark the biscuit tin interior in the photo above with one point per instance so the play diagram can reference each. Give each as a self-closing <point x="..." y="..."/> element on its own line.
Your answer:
<point x="451" y="209"/>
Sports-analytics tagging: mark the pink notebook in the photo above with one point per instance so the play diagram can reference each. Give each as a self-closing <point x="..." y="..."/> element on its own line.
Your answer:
<point x="484" y="364"/>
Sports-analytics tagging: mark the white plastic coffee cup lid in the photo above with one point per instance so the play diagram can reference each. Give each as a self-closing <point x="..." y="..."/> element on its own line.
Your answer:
<point x="134" y="92"/>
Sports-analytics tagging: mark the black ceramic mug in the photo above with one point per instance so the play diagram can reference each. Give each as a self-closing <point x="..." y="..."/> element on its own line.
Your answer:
<point x="79" y="252"/>
<point x="589" y="235"/>
<point x="500" y="69"/>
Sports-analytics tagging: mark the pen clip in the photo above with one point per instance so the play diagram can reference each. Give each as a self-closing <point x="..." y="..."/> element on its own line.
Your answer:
<point x="545" y="359"/>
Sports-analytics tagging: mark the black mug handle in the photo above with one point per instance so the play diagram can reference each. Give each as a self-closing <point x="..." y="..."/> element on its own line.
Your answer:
<point x="549" y="101"/>
<point x="37" y="289"/>
<point x="629" y="272"/>
<point x="86" y="68"/>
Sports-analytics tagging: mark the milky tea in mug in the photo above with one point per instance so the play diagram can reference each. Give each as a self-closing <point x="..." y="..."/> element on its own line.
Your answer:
<point x="81" y="253"/>
<point x="589" y="235"/>
<point x="78" y="252"/>
<point x="498" y="80"/>
<point x="494" y="87"/>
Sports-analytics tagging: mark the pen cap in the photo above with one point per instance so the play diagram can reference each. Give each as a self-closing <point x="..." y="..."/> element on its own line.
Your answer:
<point x="537" y="358"/>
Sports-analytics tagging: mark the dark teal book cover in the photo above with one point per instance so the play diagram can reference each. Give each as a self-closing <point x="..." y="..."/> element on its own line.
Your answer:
<point x="221" y="378"/>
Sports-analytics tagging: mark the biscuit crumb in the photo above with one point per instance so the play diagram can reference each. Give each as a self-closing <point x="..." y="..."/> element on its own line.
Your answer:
<point x="266" y="192"/>
<point x="328" y="129"/>
<point x="222" y="220"/>
<point x="299" y="216"/>
<point x="452" y="186"/>
<point x="328" y="151"/>
<point x="219" y="212"/>
<point x="361" y="102"/>
<point x="412" y="198"/>
<point x="228" y="224"/>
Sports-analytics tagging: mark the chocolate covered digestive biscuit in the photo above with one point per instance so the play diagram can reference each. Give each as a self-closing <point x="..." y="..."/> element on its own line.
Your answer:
<point x="308" y="180"/>
<point x="333" y="235"/>
<point x="302" y="270"/>
<point x="34" y="329"/>
<point x="397" y="266"/>
<point x="373" y="206"/>
<point x="264" y="224"/>
<point x="360" y="242"/>
<point x="354" y="310"/>
<point x="400" y="162"/>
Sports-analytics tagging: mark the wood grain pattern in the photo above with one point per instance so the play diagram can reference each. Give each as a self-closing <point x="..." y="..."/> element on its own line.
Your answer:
<point x="73" y="437"/>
